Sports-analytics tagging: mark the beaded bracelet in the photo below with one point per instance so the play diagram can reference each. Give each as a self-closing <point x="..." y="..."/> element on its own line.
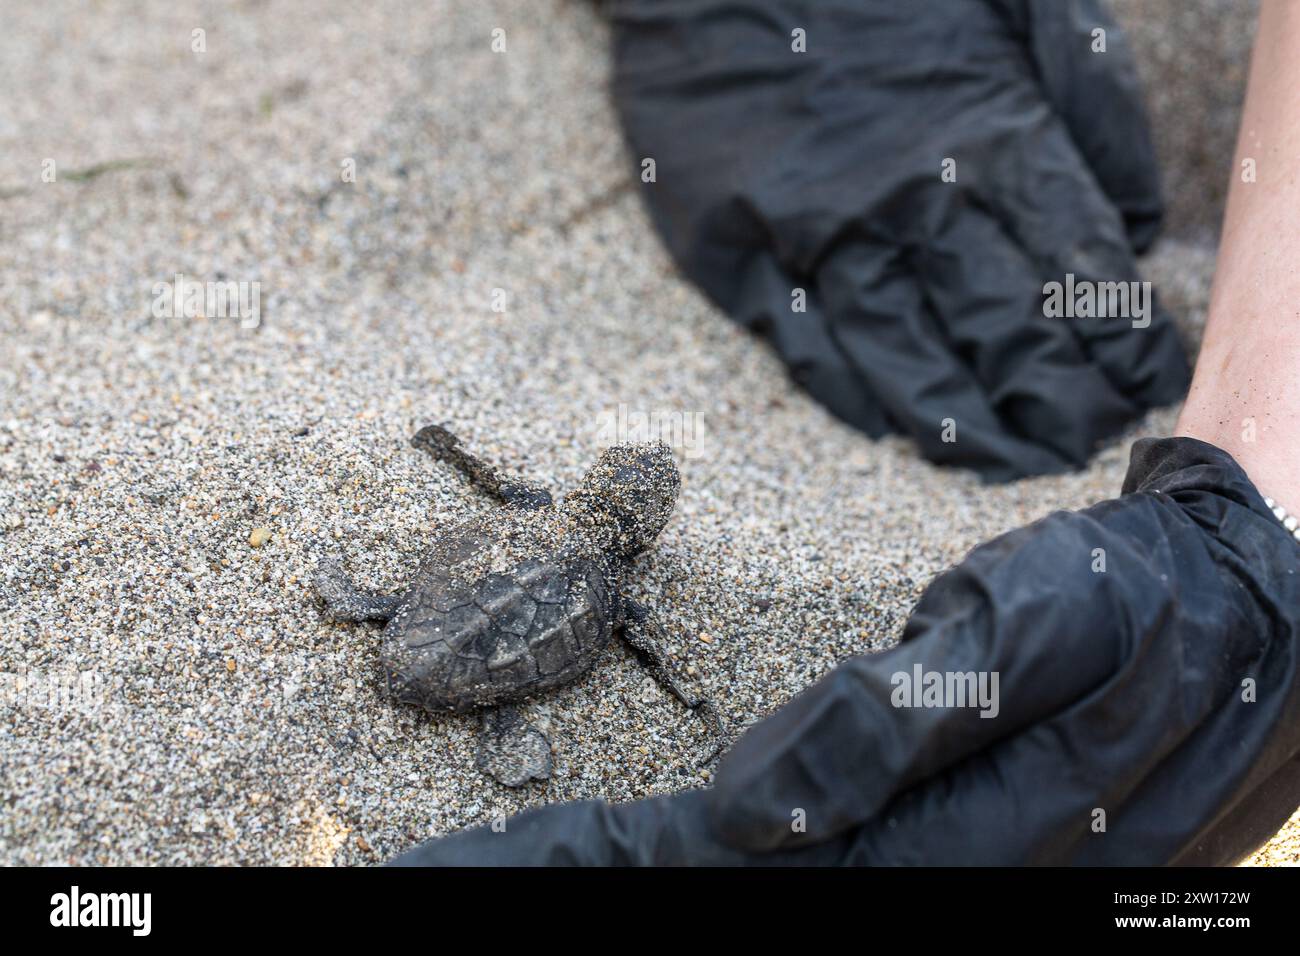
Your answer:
<point x="1288" y="521"/>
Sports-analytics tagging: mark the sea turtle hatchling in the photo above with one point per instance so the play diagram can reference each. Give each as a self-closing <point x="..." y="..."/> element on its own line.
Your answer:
<point x="523" y="599"/>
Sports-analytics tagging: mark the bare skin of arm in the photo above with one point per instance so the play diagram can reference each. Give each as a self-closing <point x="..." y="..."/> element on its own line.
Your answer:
<point x="1245" y="395"/>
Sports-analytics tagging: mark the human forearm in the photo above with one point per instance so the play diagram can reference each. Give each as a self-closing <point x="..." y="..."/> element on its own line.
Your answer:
<point x="1245" y="396"/>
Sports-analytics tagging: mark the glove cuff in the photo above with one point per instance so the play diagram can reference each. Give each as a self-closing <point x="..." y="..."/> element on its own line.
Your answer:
<point x="1176" y="466"/>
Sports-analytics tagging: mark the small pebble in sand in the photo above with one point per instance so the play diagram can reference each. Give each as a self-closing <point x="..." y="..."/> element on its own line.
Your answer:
<point x="259" y="537"/>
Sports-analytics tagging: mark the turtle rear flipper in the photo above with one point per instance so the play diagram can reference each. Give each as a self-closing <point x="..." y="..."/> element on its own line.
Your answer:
<point x="512" y="750"/>
<point x="344" y="601"/>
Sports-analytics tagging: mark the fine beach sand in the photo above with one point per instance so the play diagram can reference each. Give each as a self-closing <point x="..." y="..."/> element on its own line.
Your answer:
<point x="140" y="457"/>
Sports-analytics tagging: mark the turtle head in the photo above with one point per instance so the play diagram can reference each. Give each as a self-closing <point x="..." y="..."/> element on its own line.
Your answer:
<point x="631" y="488"/>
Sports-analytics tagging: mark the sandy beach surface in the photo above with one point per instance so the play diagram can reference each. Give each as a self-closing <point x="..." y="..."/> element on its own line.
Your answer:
<point x="172" y="691"/>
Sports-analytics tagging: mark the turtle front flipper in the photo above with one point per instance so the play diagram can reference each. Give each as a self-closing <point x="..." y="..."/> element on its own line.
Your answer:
<point x="511" y="750"/>
<point x="641" y="631"/>
<point x="344" y="601"/>
<point x="445" y="446"/>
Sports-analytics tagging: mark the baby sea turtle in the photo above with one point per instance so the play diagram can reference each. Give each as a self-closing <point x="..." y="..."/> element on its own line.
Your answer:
<point x="524" y="598"/>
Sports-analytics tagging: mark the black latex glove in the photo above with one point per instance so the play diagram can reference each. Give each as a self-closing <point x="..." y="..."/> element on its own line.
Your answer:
<point x="1118" y="690"/>
<point x="821" y="171"/>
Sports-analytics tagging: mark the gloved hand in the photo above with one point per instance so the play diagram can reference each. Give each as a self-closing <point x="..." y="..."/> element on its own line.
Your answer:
<point x="821" y="171"/>
<point x="1147" y="709"/>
